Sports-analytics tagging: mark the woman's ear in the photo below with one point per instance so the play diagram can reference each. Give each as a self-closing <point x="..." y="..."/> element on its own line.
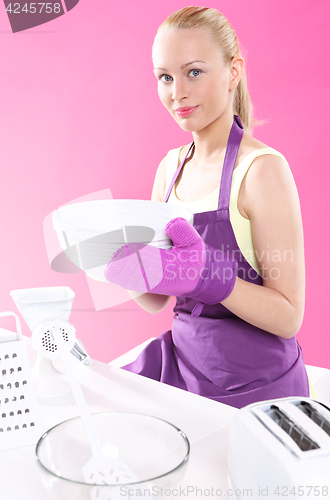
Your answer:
<point x="237" y="65"/>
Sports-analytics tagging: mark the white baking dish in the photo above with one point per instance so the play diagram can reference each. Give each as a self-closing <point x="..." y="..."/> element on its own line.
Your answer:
<point x="91" y="232"/>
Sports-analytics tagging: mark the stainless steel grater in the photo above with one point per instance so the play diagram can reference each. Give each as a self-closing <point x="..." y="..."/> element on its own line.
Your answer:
<point x="20" y="422"/>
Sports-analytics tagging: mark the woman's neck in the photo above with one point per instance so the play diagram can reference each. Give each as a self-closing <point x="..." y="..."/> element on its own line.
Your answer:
<point x="212" y="140"/>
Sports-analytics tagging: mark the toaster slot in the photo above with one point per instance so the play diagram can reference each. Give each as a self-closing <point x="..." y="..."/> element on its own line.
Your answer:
<point x="304" y="442"/>
<point x="315" y="416"/>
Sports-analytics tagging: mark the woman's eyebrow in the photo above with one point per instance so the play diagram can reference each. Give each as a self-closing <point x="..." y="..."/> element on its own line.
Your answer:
<point x="183" y="66"/>
<point x="192" y="62"/>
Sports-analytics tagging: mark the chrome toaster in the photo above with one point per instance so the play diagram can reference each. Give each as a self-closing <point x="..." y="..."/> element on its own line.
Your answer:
<point x="280" y="449"/>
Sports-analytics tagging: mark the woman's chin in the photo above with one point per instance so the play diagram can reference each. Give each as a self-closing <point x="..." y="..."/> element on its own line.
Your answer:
<point x="188" y="126"/>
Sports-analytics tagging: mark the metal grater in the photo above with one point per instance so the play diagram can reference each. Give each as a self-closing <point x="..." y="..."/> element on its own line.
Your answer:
<point x="20" y="422"/>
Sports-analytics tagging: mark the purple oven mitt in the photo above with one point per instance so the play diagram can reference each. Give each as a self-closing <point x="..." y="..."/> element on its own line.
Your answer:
<point x="190" y="268"/>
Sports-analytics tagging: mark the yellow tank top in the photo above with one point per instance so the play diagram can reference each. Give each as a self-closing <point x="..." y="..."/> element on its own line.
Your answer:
<point x="240" y="225"/>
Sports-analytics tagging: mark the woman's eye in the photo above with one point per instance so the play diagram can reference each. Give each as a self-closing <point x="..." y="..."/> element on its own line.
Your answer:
<point x="195" y="72"/>
<point x="165" y="78"/>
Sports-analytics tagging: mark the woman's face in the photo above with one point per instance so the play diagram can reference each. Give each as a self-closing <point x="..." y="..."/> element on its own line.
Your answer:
<point x="194" y="83"/>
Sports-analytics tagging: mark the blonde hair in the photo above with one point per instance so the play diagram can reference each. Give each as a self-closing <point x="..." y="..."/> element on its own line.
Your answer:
<point x="220" y="28"/>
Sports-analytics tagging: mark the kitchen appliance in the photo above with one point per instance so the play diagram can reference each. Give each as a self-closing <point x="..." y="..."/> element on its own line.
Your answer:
<point x="39" y="307"/>
<point x="280" y="448"/>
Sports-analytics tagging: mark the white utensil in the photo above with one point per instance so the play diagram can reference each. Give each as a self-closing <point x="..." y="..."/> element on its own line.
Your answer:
<point x="104" y="467"/>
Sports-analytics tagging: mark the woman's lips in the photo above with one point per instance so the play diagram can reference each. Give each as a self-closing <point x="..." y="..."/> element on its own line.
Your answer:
<point x="185" y="111"/>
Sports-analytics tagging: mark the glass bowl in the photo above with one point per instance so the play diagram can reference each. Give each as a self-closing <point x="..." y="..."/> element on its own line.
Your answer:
<point x="155" y="450"/>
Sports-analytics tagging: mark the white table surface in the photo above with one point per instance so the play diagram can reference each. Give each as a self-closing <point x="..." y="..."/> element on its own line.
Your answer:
<point x="107" y="388"/>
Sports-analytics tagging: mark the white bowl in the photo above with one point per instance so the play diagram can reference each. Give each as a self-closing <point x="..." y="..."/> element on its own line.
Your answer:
<point x="91" y="232"/>
<point x="156" y="451"/>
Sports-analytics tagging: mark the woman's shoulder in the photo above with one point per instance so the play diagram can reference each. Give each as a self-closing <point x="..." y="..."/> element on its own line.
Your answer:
<point x="255" y="151"/>
<point x="265" y="174"/>
<point x="250" y="145"/>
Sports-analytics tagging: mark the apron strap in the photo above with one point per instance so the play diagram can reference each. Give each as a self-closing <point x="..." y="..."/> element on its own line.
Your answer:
<point x="234" y="141"/>
<point x="175" y="176"/>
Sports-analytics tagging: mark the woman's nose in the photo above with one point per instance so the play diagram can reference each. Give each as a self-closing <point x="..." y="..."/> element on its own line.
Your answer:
<point x="179" y="90"/>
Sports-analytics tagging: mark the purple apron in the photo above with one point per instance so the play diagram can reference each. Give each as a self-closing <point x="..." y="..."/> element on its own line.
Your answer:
<point x="212" y="352"/>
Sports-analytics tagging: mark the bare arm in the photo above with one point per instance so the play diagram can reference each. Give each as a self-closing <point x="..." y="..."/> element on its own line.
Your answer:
<point x="151" y="302"/>
<point x="271" y="202"/>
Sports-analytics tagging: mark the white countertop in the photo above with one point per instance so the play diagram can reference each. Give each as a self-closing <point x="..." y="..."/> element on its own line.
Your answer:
<point x="107" y="388"/>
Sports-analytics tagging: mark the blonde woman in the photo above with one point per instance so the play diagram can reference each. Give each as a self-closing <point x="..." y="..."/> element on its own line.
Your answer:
<point x="238" y="272"/>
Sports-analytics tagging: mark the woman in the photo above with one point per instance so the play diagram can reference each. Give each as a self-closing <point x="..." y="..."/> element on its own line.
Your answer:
<point x="240" y="298"/>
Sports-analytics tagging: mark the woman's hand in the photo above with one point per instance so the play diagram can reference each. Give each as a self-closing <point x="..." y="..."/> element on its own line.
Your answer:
<point x="189" y="268"/>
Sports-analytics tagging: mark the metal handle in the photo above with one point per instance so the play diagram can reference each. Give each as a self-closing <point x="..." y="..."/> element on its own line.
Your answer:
<point x="80" y="353"/>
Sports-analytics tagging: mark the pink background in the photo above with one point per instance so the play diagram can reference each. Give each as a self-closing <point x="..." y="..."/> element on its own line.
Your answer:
<point x="80" y="113"/>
